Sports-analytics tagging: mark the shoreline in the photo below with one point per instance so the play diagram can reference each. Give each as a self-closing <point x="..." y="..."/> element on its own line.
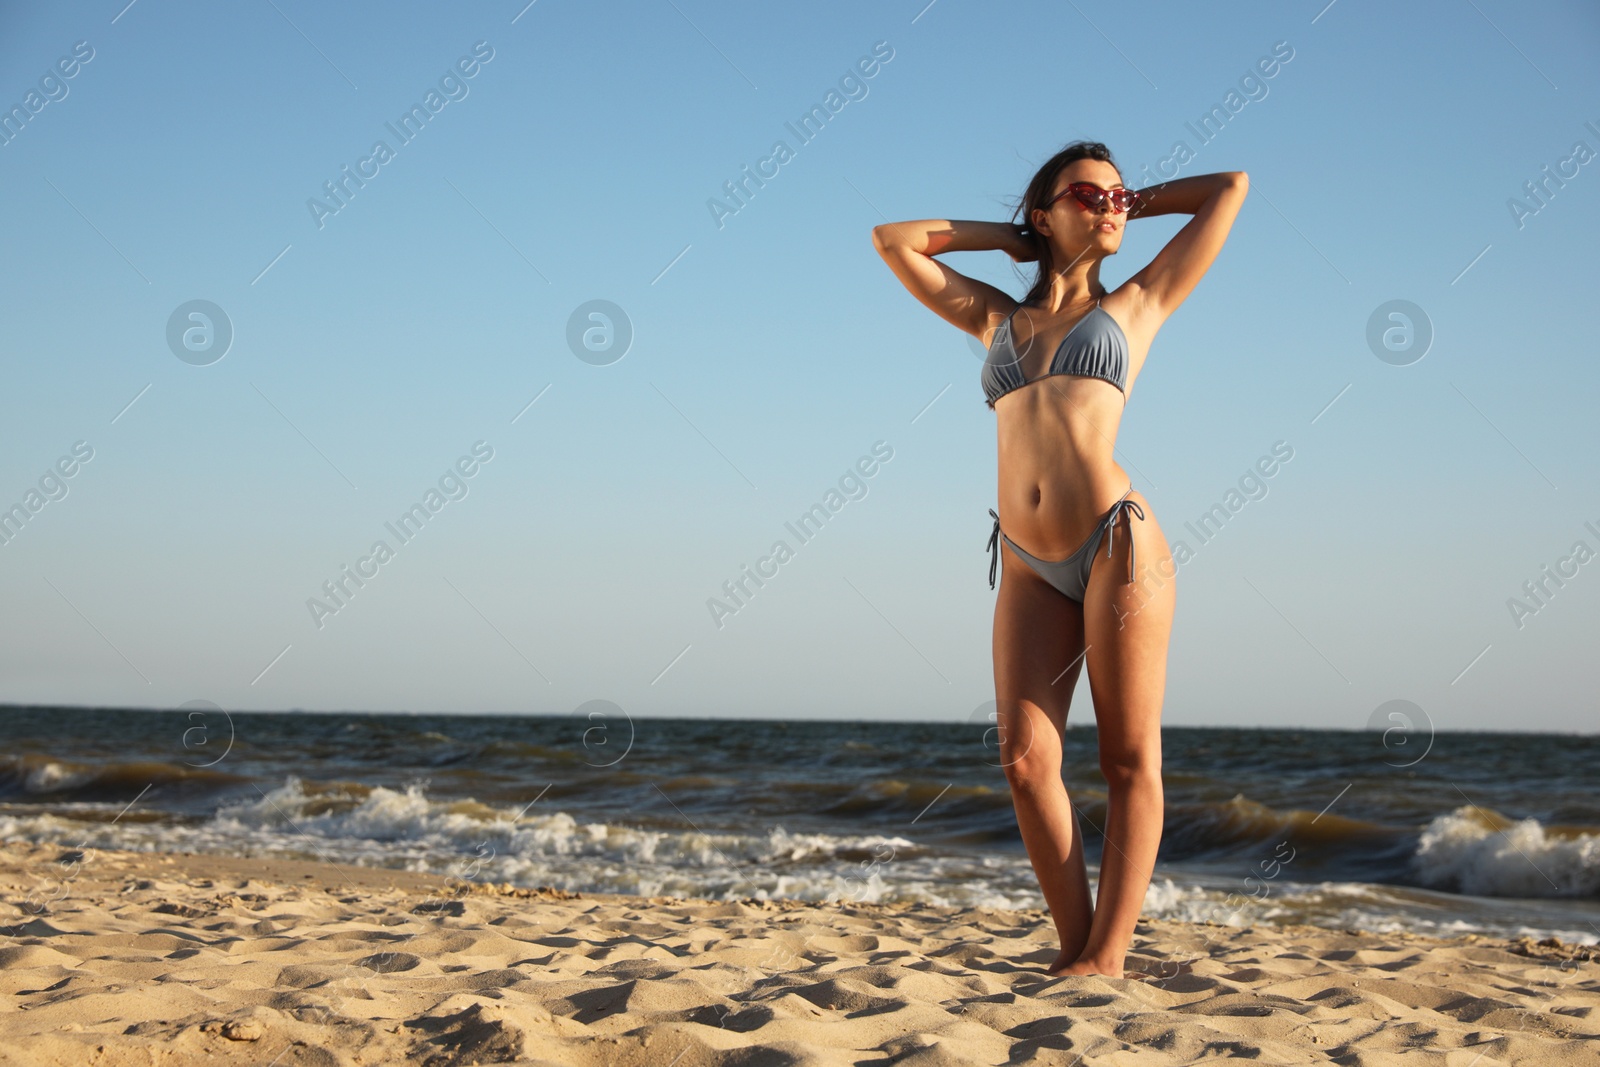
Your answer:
<point x="114" y="957"/>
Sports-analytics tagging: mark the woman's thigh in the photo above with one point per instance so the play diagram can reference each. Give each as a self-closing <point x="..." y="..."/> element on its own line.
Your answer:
<point x="1127" y="626"/>
<point x="1038" y="655"/>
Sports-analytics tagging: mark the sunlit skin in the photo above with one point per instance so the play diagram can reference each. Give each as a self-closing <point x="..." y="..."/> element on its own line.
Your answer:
<point x="1058" y="476"/>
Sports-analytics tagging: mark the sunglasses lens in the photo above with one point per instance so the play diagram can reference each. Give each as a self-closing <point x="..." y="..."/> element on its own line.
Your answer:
<point x="1088" y="195"/>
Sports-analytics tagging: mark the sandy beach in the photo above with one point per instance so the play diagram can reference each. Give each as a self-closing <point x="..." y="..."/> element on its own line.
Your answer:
<point x="112" y="958"/>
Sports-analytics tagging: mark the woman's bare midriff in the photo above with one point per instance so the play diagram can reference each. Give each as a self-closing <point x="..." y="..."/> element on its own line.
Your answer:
<point x="1058" y="475"/>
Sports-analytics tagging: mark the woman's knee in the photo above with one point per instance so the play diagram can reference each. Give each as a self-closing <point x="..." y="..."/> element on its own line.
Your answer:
<point x="1131" y="765"/>
<point x="1030" y="760"/>
<point x="1032" y="772"/>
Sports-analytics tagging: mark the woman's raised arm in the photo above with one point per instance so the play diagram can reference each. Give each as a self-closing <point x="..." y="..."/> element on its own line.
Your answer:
<point x="966" y="303"/>
<point x="1214" y="200"/>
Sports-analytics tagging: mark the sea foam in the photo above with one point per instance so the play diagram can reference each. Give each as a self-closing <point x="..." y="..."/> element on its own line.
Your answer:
<point x="1486" y="854"/>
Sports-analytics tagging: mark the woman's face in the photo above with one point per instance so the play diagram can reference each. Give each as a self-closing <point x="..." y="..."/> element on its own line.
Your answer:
<point x="1075" y="229"/>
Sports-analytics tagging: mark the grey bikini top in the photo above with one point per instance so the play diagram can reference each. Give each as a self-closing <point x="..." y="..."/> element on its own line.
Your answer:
<point x="1095" y="347"/>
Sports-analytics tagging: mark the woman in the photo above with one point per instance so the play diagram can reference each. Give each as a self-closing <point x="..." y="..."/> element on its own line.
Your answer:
<point x="1059" y="368"/>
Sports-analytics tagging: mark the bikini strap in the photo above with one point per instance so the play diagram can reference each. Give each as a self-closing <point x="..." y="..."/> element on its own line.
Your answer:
<point x="994" y="548"/>
<point x="1123" y="506"/>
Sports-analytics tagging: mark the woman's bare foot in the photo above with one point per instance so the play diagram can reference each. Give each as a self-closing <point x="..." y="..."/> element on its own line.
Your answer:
<point x="1065" y="966"/>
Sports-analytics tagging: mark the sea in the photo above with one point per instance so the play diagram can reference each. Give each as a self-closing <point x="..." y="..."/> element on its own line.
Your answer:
<point x="1453" y="833"/>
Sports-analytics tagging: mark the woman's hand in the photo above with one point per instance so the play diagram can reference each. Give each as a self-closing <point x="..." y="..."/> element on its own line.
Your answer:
<point x="1021" y="247"/>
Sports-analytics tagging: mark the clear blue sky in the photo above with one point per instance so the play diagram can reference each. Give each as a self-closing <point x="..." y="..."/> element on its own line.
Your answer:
<point x="770" y="352"/>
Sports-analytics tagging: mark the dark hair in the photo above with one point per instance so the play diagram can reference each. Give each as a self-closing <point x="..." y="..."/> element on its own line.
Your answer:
<point x="1038" y="192"/>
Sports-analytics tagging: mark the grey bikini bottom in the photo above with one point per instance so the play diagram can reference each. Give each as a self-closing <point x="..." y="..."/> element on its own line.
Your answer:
<point x="1070" y="575"/>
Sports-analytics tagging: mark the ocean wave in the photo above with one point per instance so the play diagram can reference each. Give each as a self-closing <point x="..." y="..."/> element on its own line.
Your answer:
<point x="1216" y="829"/>
<point x="1471" y="850"/>
<point x="381" y="814"/>
<point x="40" y="777"/>
<point x="521" y="844"/>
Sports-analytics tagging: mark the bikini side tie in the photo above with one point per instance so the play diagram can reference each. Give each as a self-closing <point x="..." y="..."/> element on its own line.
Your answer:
<point x="1124" y="505"/>
<point x="994" y="548"/>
